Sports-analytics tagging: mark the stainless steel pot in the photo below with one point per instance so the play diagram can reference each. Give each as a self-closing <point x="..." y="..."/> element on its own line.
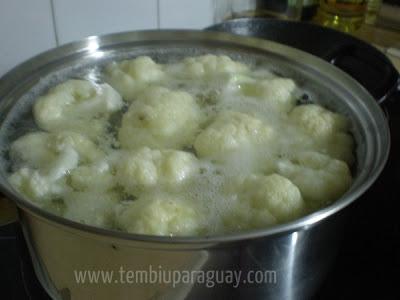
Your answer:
<point x="292" y="257"/>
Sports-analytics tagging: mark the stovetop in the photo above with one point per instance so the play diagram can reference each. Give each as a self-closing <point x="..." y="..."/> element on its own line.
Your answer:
<point x="17" y="277"/>
<point x="367" y="265"/>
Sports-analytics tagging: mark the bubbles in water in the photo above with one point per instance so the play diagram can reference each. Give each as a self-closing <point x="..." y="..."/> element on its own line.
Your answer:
<point x="206" y="190"/>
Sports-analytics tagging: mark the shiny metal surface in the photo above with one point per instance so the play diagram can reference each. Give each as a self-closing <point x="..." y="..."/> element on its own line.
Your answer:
<point x="299" y="259"/>
<point x="299" y="252"/>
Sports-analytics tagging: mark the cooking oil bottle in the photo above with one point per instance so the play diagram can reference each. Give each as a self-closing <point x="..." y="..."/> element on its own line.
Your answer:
<point x="344" y="15"/>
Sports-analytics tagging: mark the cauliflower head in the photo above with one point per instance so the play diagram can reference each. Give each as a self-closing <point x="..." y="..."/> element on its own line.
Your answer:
<point x="329" y="129"/>
<point x="87" y="150"/>
<point x="318" y="121"/>
<point x="211" y="65"/>
<point x="32" y="184"/>
<point x="97" y="176"/>
<point x="160" y="118"/>
<point x="50" y="157"/>
<point x="264" y="201"/>
<point x="159" y="214"/>
<point x="53" y="152"/>
<point x="147" y="168"/>
<point x="231" y="131"/>
<point x="131" y="76"/>
<point x="277" y="92"/>
<point x="77" y="105"/>
<point x="33" y="150"/>
<point x="320" y="178"/>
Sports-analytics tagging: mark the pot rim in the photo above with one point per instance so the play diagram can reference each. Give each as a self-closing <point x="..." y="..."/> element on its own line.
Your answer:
<point x="92" y="43"/>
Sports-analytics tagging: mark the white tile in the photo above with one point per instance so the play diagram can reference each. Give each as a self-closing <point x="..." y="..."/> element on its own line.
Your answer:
<point x="26" y="29"/>
<point x="195" y="14"/>
<point x="76" y="19"/>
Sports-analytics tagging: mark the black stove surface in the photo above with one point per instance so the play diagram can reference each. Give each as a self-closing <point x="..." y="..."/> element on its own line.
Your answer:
<point x="17" y="277"/>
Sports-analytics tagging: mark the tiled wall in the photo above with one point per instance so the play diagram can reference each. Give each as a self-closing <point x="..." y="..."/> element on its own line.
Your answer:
<point x="28" y="27"/>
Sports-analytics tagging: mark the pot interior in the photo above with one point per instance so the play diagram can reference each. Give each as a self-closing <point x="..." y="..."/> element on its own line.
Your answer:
<point x="320" y="82"/>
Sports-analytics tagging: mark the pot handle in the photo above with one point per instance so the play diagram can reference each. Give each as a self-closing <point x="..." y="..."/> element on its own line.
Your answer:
<point x="8" y="211"/>
<point x="371" y="68"/>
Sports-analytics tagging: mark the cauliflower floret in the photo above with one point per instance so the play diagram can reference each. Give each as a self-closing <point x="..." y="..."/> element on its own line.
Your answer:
<point x="97" y="177"/>
<point x="77" y="105"/>
<point x="160" y="118"/>
<point x="87" y="150"/>
<point x="318" y="121"/>
<point x="35" y="186"/>
<point x="67" y="160"/>
<point x="328" y="128"/>
<point x="159" y="214"/>
<point x="320" y="178"/>
<point x="231" y="131"/>
<point x="274" y="193"/>
<point x="131" y="76"/>
<point x="146" y="169"/>
<point x="264" y="201"/>
<point x="32" y="150"/>
<point x="45" y="159"/>
<point x="60" y="150"/>
<point x="39" y="150"/>
<point x="91" y="207"/>
<point x="211" y="65"/>
<point x="276" y="92"/>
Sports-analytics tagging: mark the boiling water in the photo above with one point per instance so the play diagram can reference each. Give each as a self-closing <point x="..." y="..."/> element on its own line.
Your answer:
<point x="208" y="189"/>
